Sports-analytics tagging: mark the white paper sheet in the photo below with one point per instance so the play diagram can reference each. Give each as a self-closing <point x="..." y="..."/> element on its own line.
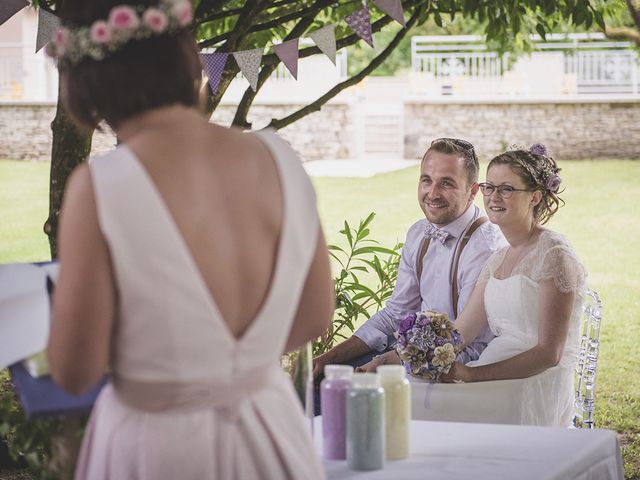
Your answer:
<point x="24" y="310"/>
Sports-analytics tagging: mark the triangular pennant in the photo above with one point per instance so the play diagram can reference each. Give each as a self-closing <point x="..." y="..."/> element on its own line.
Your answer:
<point x="48" y="23"/>
<point x="360" y="22"/>
<point x="213" y="64"/>
<point x="288" y="53"/>
<point x="325" y="39"/>
<point x="393" y="8"/>
<point x="249" y="63"/>
<point x="8" y="8"/>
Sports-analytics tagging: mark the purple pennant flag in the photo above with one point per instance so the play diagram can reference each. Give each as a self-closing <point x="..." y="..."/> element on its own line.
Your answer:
<point x="288" y="53"/>
<point x="214" y="64"/>
<point x="360" y="22"/>
<point x="393" y="8"/>
<point x="8" y="8"/>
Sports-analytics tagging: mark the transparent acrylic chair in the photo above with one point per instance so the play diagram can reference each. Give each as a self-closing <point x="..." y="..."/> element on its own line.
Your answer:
<point x="586" y="369"/>
<point x="299" y="365"/>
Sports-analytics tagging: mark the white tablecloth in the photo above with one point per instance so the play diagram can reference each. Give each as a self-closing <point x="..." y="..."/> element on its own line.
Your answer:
<point x="468" y="451"/>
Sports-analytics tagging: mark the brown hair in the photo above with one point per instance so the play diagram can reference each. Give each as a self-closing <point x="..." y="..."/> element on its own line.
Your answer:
<point x="141" y="75"/>
<point x="538" y="172"/>
<point x="455" y="146"/>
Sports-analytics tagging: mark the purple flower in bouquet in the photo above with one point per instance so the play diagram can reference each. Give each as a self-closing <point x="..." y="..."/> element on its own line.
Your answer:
<point x="421" y="321"/>
<point x="407" y="323"/>
<point x="427" y="344"/>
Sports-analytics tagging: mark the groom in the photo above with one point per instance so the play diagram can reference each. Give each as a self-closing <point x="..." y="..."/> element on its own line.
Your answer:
<point x="441" y="258"/>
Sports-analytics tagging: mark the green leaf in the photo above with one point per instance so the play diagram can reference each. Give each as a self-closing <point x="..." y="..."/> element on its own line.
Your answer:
<point x="374" y="249"/>
<point x="365" y="223"/>
<point x="347" y="232"/>
<point x="540" y="29"/>
<point x="438" y="19"/>
<point x="599" y="19"/>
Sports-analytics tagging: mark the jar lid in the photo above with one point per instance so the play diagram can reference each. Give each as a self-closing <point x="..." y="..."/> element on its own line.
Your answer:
<point x="334" y="372"/>
<point x="392" y="372"/>
<point x="365" y="380"/>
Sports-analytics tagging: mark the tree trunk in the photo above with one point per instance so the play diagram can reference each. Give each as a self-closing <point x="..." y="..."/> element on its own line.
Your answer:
<point x="70" y="146"/>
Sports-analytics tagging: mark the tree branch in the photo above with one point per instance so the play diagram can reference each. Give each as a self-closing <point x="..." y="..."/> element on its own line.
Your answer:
<point x="237" y="35"/>
<point x="303" y="13"/>
<point x="343" y="42"/>
<point x="635" y="14"/>
<point x="375" y="63"/>
<point x="240" y="119"/>
<point x="623" y="33"/>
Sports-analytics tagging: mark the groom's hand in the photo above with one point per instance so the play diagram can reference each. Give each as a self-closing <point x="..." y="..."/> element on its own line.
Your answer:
<point x="319" y="362"/>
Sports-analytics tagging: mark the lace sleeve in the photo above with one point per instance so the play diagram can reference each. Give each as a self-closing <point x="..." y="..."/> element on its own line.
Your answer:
<point x="490" y="266"/>
<point x="562" y="265"/>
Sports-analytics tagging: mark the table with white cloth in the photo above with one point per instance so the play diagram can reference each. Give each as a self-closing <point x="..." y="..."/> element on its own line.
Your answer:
<point x="464" y="451"/>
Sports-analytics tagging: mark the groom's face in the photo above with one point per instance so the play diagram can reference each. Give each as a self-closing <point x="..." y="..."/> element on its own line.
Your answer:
<point x="444" y="191"/>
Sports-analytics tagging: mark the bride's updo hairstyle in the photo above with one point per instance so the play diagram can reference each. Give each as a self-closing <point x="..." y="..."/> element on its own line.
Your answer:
<point x="538" y="171"/>
<point x="110" y="75"/>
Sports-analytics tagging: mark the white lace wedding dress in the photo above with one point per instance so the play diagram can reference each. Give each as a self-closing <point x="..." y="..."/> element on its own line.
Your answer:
<point x="512" y="306"/>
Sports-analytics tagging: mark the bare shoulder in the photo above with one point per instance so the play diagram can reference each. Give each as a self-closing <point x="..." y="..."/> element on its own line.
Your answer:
<point x="79" y="186"/>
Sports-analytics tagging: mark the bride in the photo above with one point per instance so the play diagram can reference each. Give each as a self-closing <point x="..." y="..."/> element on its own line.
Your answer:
<point x="531" y="295"/>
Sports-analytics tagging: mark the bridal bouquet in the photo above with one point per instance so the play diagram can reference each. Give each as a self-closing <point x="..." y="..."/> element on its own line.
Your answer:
<point x="427" y="344"/>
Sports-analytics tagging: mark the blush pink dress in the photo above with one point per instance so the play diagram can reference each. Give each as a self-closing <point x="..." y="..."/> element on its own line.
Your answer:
<point x="187" y="399"/>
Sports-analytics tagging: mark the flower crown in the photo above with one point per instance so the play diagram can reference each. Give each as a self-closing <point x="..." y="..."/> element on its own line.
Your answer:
<point x="124" y="23"/>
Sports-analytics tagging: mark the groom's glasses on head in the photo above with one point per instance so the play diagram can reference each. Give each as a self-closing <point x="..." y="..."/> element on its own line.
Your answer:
<point x="505" y="191"/>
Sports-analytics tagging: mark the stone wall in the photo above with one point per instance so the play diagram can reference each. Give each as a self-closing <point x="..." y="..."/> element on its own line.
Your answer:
<point x="596" y="128"/>
<point x="25" y="130"/>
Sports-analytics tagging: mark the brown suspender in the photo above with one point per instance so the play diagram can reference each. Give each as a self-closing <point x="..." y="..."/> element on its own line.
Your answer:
<point x="453" y="281"/>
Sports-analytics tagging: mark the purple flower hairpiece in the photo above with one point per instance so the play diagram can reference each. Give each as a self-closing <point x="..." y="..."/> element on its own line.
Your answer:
<point x="553" y="183"/>
<point x="538" y="149"/>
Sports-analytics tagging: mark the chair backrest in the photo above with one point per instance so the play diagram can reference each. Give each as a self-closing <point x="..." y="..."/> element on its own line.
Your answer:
<point x="586" y="369"/>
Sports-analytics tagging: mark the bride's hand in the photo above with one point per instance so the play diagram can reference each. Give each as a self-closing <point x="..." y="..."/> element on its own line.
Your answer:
<point x="458" y="373"/>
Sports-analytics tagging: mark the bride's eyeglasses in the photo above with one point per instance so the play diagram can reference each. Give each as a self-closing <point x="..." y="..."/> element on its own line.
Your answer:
<point x="505" y="191"/>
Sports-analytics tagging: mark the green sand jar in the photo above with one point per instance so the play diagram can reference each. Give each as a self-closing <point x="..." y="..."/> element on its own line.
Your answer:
<point x="365" y="423"/>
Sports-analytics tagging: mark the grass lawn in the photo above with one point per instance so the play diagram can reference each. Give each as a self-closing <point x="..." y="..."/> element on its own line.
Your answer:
<point x="600" y="219"/>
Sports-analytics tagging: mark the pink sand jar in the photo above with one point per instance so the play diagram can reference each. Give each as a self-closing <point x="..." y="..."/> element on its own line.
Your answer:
<point x="333" y="403"/>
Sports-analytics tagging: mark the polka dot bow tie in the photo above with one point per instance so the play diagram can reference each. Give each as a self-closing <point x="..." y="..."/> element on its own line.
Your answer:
<point x="432" y="231"/>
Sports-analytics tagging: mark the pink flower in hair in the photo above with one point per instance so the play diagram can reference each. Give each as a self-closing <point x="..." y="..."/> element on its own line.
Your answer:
<point x="61" y="39"/>
<point x="100" y="31"/>
<point x="123" y="17"/>
<point x="155" y="19"/>
<point x="183" y="13"/>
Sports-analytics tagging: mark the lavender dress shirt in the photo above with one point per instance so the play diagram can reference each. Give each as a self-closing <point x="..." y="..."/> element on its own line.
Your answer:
<point x="433" y="290"/>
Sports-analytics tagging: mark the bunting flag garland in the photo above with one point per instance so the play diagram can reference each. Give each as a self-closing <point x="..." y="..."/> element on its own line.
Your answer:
<point x="214" y="64"/>
<point x="325" y="39"/>
<point x="8" y="8"/>
<point x="393" y="8"/>
<point x="48" y="23"/>
<point x="360" y="22"/>
<point x="249" y="63"/>
<point x="288" y="53"/>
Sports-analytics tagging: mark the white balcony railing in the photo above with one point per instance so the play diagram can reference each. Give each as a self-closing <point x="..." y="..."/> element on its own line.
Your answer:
<point x="585" y="63"/>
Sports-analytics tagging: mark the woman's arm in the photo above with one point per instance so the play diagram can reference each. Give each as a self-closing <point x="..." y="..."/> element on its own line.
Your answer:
<point x="83" y="306"/>
<point x="473" y="318"/>
<point x="555" y="315"/>
<point x="317" y="302"/>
